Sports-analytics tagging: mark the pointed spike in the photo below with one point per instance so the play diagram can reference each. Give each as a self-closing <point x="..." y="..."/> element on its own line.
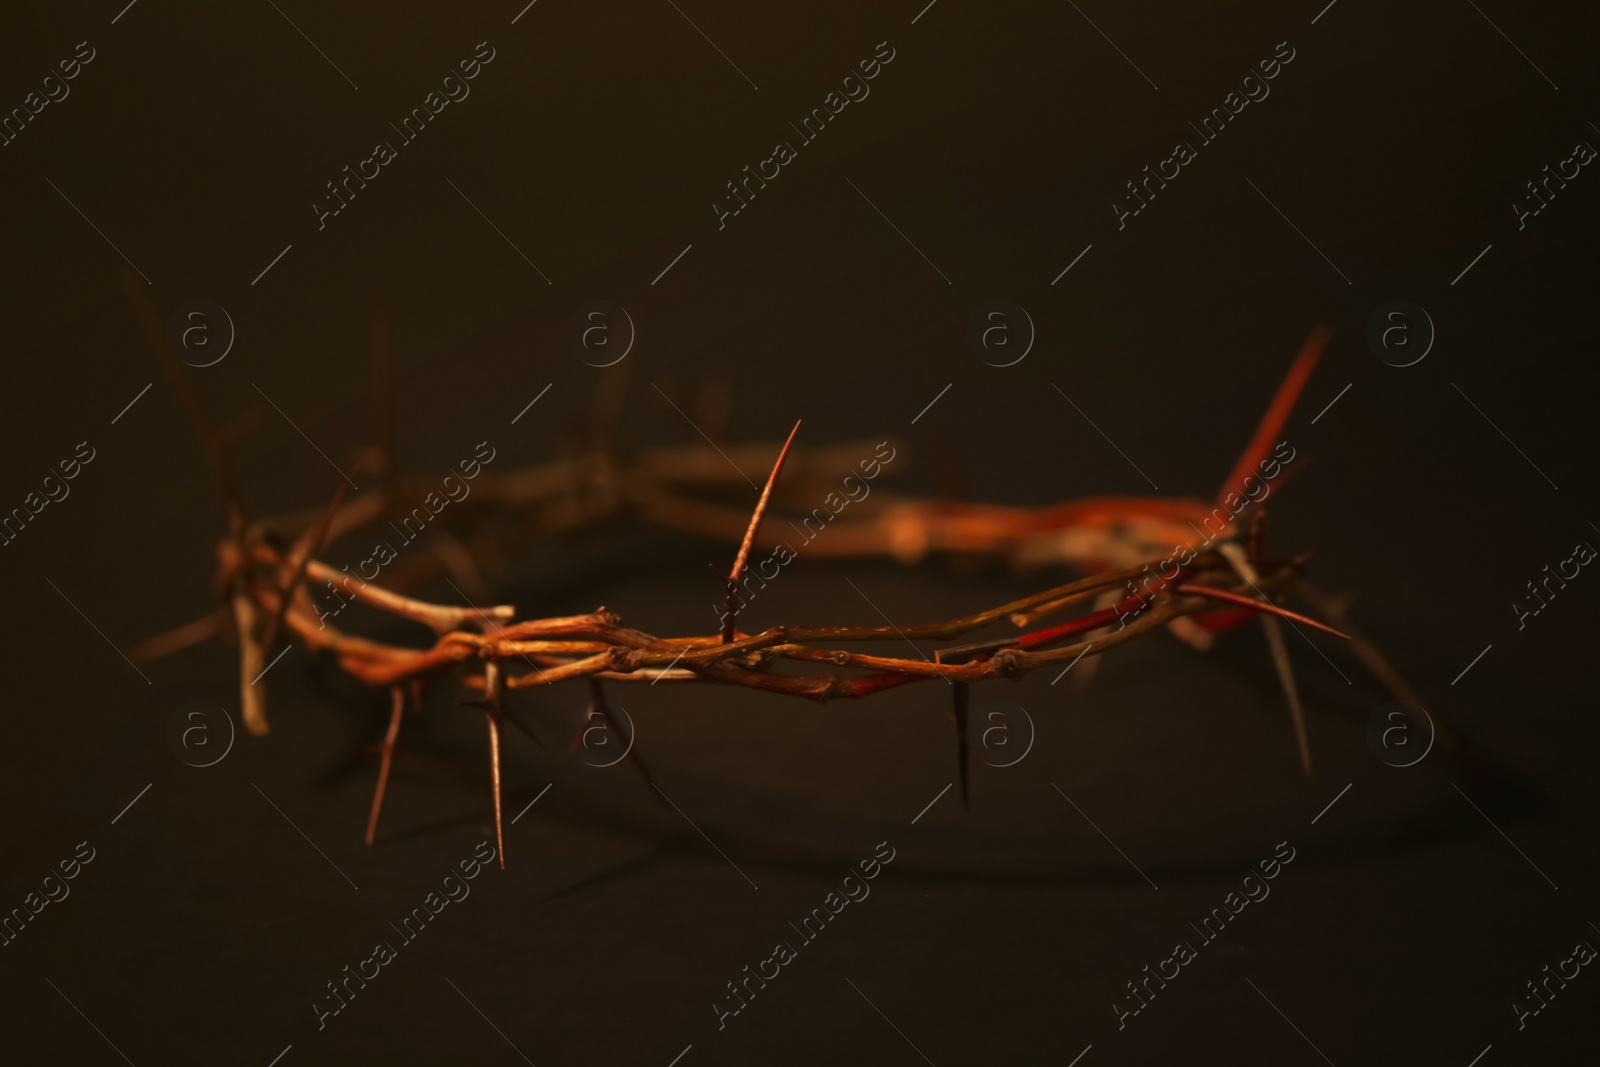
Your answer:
<point x="731" y="614"/>
<point x="494" y="775"/>
<point x="639" y="765"/>
<point x="180" y="638"/>
<point x="959" y="692"/>
<point x="496" y="686"/>
<point x="1266" y="607"/>
<point x="398" y="705"/>
<point x="1280" y="660"/>
<point x="1337" y="609"/>
<point x="1235" y="555"/>
<point x="601" y="708"/>
<point x="512" y="718"/>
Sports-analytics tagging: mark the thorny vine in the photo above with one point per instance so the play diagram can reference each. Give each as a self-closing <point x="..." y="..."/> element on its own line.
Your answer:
<point x="264" y="569"/>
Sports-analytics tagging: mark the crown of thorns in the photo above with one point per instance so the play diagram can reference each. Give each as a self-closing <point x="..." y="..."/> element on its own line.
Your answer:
<point x="1184" y="565"/>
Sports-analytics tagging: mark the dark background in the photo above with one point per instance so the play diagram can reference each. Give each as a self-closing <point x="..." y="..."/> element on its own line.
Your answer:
<point x="596" y="141"/>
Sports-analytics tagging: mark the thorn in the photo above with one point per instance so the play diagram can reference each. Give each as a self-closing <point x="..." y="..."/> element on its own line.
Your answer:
<point x="1190" y="589"/>
<point x="1337" y="609"/>
<point x="511" y="717"/>
<point x="598" y="706"/>
<point x="722" y="584"/>
<point x="1280" y="660"/>
<point x="180" y="638"/>
<point x="496" y="688"/>
<point x="959" y="691"/>
<point x="398" y="705"/>
<point x="730" y="614"/>
<point x="1280" y="655"/>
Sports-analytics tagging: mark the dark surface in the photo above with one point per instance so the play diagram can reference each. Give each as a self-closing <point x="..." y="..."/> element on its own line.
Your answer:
<point x="1396" y="140"/>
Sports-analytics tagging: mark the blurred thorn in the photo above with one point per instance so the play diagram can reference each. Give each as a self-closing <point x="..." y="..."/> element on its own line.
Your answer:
<point x="397" y="706"/>
<point x="599" y="707"/>
<point x="731" y="613"/>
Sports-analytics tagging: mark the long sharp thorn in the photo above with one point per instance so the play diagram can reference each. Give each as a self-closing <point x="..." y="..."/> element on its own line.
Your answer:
<point x="494" y="775"/>
<point x="601" y="708"/>
<point x="511" y="717"/>
<point x="180" y="638"/>
<point x="639" y="765"/>
<point x="963" y="756"/>
<point x="1280" y="660"/>
<point x="1364" y="649"/>
<point x="1265" y="607"/>
<point x="496" y="688"/>
<point x="730" y="614"/>
<point x="398" y="705"/>
<point x="1235" y="555"/>
<point x="1374" y="661"/>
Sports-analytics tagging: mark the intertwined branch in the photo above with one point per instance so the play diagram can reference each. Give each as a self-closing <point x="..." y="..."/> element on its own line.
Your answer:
<point x="491" y="646"/>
